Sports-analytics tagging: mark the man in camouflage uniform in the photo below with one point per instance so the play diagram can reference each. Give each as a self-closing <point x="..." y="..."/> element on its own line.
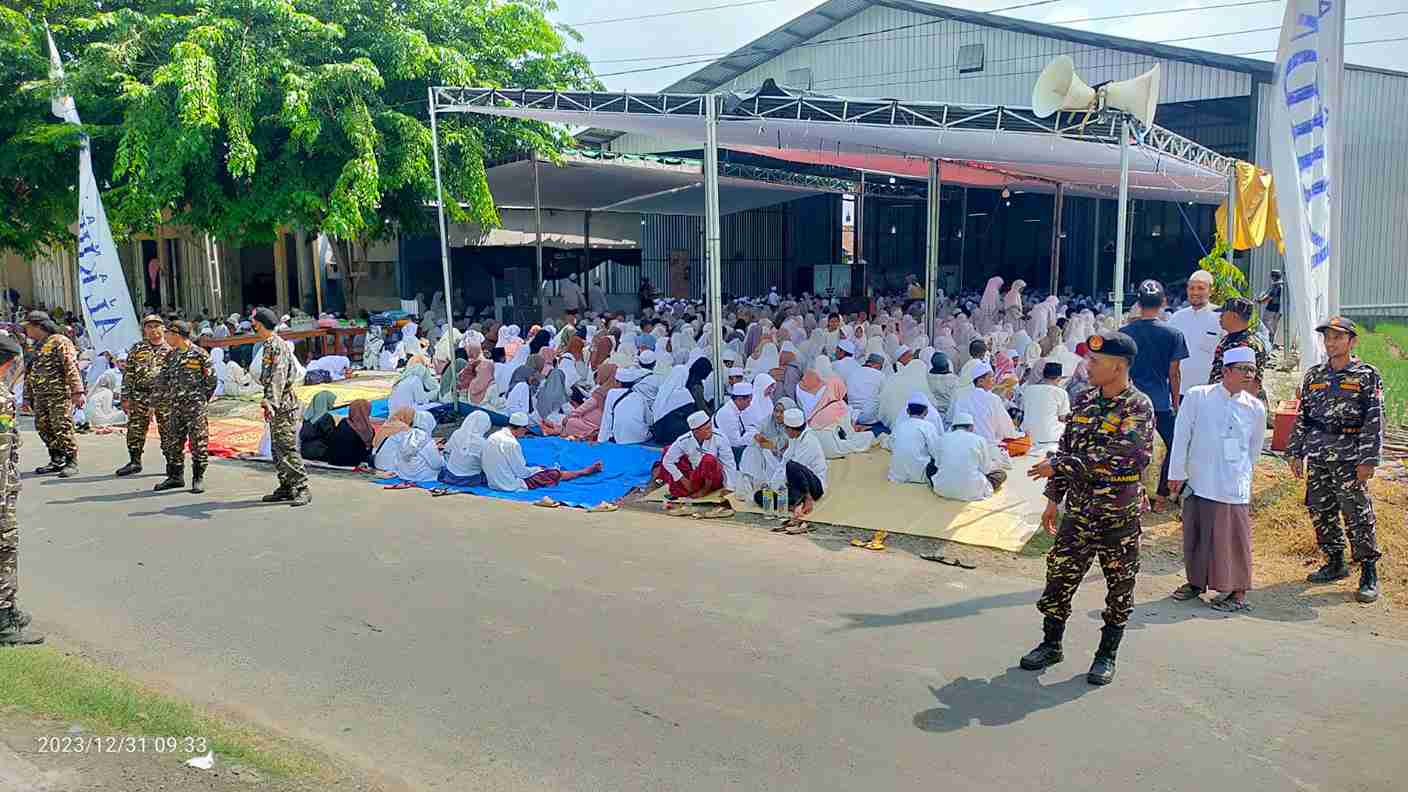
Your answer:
<point x="1097" y="471"/>
<point x="1235" y="316"/>
<point x="142" y="398"/>
<point x="12" y="620"/>
<point x="281" y="409"/>
<point x="187" y="381"/>
<point x="54" y="389"/>
<point x="1336" y="444"/>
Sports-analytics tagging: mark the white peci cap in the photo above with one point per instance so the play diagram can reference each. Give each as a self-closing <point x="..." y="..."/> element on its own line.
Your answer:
<point x="697" y="419"/>
<point x="519" y="419"/>
<point x="794" y="418"/>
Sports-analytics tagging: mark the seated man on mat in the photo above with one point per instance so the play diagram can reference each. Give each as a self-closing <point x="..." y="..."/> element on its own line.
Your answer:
<point x="699" y="462"/>
<point x="914" y="453"/>
<point x="969" y="469"/>
<point x="803" y="470"/>
<point x="506" y="470"/>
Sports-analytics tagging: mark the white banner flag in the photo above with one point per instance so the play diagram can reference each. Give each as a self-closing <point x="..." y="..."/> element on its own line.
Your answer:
<point x="102" y="288"/>
<point x="1306" y="162"/>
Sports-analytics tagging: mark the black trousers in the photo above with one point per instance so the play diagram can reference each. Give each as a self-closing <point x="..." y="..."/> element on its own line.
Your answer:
<point x="1163" y="423"/>
<point x="800" y="483"/>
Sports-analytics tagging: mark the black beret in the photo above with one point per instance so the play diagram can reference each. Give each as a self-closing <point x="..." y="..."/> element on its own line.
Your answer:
<point x="1114" y="344"/>
<point x="267" y="318"/>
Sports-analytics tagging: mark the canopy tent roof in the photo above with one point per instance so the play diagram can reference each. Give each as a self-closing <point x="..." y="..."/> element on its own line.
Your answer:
<point x="651" y="185"/>
<point x="1080" y="151"/>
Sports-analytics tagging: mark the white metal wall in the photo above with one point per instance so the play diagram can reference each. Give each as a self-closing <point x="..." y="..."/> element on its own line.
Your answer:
<point x="1374" y="277"/>
<point x="919" y="64"/>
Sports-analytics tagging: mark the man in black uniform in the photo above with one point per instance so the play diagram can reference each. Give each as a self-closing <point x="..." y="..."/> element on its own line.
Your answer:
<point x="1097" y="470"/>
<point x="1339" y="432"/>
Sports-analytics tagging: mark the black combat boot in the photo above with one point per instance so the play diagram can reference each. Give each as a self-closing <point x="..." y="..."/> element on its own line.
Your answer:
<point x="175" y="479"/>
<point x="197" y="480"/>
<point x="70" y="468"/>
<point x="1048" y="652"/>
<point x="1334" y="569"/>
<point x="54" y="466"/>
<point x="301" y="498"/>
<point x="279" y="495"/>
<point x="12" y="629"/>
<point x="1102" y="670"/>
<point x="1368" y="582"/>
<point x="135" y="466"/>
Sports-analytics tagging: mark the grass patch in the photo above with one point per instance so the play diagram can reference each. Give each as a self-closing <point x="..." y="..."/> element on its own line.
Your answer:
<point x="1386" y="348"/>
<point x="46" y="682"/>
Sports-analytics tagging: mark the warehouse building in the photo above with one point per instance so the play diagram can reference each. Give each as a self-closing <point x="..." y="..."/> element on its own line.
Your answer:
<point x="921" y="52"/>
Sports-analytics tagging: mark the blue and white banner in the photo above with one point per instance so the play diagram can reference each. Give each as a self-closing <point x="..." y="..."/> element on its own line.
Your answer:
<point x="102" y="289"/>
<point x="1306" y="161"/>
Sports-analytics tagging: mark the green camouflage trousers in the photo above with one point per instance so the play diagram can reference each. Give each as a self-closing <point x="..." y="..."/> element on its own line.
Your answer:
<point x="1077" y="544"/>
<point x="9" y="552"/>
<point x="140" y="412"/>
<point x="53" y="419"/>
<point x="183" y="425"/>
<point x="1331" y="489"/>
<point x="283" y="440"/>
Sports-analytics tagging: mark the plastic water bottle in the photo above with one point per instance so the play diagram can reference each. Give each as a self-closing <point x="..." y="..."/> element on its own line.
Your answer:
<point x="769" y="503"/>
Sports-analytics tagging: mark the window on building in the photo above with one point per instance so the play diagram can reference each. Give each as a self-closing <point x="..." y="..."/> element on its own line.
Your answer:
<point x="970" y="58"/>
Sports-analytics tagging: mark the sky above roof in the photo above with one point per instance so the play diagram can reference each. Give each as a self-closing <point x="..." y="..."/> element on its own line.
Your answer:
<point x="649" y="54"/>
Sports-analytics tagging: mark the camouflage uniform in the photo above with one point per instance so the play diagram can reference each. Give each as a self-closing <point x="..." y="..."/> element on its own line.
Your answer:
<point x="1340" y="427"/>
<point x="1098" y="468"/>
<point x="187" y="383"/>
<point x="145" y="399"/>
<point x="1241" y="338"/>
<point x="52" y="385"/>
<point x="277" y="377"/>
<point x="9" y="494"/>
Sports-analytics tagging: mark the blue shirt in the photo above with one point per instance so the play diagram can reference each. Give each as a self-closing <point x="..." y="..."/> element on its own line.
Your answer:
<point x="1160" y="344"/>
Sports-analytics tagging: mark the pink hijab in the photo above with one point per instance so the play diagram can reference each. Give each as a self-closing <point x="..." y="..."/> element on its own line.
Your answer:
<point x="832" y="408"/>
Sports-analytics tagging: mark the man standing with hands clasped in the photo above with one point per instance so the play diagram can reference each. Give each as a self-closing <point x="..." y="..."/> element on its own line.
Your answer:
<point x="142" y="397"/>
<point x="187" y="381"/>
<point x="281" y="409"/>
<point x="1336" y="444"/>
<point x="1097" y="471"/>
<point x="1215" y="446"/>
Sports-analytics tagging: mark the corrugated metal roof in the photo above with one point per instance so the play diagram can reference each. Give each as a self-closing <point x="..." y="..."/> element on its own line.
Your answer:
<point x="829" y="14"/>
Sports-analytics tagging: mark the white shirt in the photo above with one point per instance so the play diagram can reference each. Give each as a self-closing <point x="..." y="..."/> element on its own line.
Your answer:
<point x="649" y="388"/>
<point x="504" y="466"/>
<point x="336" y="365"/>
<point x="806" y="451"/>
<point x="915" y="443"/>
<point x="990" y="418"/>
<point x="845" y="369"/>
<point x="688" y="447"/>
<point x="466" y="451"/>
<point x="417" y="458"/>
<point x="1042" y="408"/>
<point x="863" y="388"/>
<point x="1201" y="332"/>
<point x="408" y="393"/>
<point x="730" y="423"/>
<point x="1216" y="442"/>
<point x="623" y="418"/>
<point x="964" y="460"/>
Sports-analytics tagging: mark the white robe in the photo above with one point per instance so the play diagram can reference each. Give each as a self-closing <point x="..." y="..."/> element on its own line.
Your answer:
<point x="805" y="450"/>
<point x="416" y="458"/>
<point x="965" y="459"/>
<point x="863" y="388"/>
<point x="990" y="419"/>
<point x="623" y="418"/>
<point x="465" y="450"/>
<point x="504" y="466"/>
<point x="1216" y="442"/>
<point x="732" y="423"/>
<point x="915" y="444"/>
<point x="335" y="365"/>
<point x="409" y="392"/>
<point x="1201" y="332"/>
<point x="1042" y="408"/>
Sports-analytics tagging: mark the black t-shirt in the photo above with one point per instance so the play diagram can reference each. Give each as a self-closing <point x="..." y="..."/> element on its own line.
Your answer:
<point x="1159" y="345"/>
<point x="1273" y="295"/>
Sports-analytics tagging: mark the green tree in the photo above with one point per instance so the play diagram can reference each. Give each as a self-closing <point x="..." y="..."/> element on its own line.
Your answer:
<point x="238" y="116"/>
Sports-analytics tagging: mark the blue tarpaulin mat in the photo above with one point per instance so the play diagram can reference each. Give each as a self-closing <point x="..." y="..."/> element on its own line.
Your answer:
<point x="627" y="467"/>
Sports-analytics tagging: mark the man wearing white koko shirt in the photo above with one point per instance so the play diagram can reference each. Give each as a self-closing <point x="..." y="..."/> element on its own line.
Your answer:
<point x="1198" y="321"/>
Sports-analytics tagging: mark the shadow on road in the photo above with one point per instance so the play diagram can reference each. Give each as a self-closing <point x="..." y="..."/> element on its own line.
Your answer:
<point x="58" y="482"/>
<point x="202" y="511"/>
<point x="1283" y="602"/>
<point x="958" y="610"/>
<point x="1002" y="700"/>
<point x="117" y="497"/>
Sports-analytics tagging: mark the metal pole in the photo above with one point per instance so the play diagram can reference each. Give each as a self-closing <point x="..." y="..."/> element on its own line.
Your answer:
<point x="584" y="263"/>
<point x="713" y="245"/>
<point x="1095" y="249"/>
<point x="931" y="257"/>
<point x="1122" y="222"/>
<point x="444" y="237"/>
<point x="538" y="243"/>
<point x="962" y="241"/>
<point x="1057" y="210"/>
<point x="860" y="234"/>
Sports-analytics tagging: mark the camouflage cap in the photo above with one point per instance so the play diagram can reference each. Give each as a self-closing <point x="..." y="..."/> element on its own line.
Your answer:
<point x="36" y="317"/>
<point x="1339" y="323"/>
<point x="152" y="319"/>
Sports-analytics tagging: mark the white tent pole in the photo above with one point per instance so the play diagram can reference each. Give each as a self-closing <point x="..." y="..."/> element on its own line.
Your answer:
<point x="931" y="258"/>
<point x="860" y="238"/>
<point x="1058" y="209"/>
<point x="1123" y="220"/>
<point x="444" y="236"/>
<point x="538" y="231"/>
<point x="713" y="246"/>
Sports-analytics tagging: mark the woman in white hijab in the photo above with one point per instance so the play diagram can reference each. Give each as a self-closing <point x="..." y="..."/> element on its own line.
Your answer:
<point x="99" y="409"/>
<point x="912" y="378"/>
<point x="673" y="394"/>
<point x="1012" y="301"/>
<point x="988" y="308"/>
<point x="445" y="347"/>
<point x="765" y="359"/>
<point x="217" y="362"/>
<point x="465" y="451"/>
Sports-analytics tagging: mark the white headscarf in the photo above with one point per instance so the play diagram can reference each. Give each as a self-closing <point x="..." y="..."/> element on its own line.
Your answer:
<point x="761" y="407"/>
<point x="894" y="397"/>
<point x="673" y="394"/>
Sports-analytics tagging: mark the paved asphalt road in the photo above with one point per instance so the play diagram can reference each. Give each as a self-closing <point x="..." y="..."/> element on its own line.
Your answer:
<point x="462" y="643"/>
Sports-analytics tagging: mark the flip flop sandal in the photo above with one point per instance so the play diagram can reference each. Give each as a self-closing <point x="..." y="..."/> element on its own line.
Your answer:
<point x="946" y="561"/>
<point x="440" y="492"/>
<point x="546" y="503"/>
<point x="604" y="507"/>
<point x="779" y="528"/>
<point x="877" y="541"/>
<point x="1187" y="592"/>
<point x="1229" y="605"/>
<point x="716" y="513"/>
<point x="800" y="528"/>
<point x="404" y="485"/>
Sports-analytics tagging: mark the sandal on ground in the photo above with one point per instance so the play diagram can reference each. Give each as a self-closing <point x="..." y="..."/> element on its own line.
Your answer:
<point x="604" y="507"/>
<point x="779" y="528"/>
<point x="1186" y="592"/>
<point x="1228" y="605"/>
<point x="716" y="513"/>
<point x="799" y="527"/>
<point x="546" y="503"/>
<point x="404" y="485"/>
<point x="877" y="542"/>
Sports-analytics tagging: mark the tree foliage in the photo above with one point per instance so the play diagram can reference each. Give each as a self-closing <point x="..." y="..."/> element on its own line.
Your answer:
<point x="238" y="116"/>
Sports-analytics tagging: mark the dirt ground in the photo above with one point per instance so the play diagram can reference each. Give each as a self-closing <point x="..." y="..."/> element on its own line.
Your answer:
<point x="33" y="758"/>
